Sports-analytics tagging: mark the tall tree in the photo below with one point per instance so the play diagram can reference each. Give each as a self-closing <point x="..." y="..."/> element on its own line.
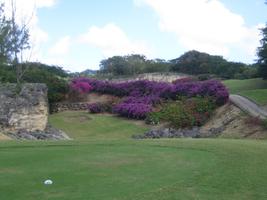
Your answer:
<point x="19" y="41"/>
<point x="262" y="54"/>
<point x="5" y="37"/>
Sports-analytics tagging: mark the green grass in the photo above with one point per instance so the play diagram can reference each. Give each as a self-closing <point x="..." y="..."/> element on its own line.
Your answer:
<point x="259" y="95"/>
<point x="110" y="165"/>
<point x="236" y="86"/>
<point x="81" y="125"/>
<point x="255" y="89"/>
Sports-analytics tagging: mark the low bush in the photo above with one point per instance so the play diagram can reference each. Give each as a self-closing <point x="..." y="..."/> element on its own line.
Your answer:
<point x="264" y="124"/>
<point x="154" y="118"/>
<point x="187" y="113"/>
<point x="100" y="107"/>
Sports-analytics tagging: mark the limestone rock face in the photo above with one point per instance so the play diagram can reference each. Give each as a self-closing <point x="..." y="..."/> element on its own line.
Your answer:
<point x="26" y="109"/>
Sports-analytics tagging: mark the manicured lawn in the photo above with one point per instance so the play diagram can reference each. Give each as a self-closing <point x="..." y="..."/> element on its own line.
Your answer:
<point x="84" y="126"/>
<point x="110" y="165"/>
<point x="236" y="86"/>
<point x="255" y="89"/>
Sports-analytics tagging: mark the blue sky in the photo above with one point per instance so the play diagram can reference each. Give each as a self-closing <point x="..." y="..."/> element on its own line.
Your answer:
<point x="78" y="34"/>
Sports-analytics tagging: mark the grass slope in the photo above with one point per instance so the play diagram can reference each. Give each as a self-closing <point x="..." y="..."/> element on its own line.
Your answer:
<point x="109" y="165"/>
<point x="255" y="89"/>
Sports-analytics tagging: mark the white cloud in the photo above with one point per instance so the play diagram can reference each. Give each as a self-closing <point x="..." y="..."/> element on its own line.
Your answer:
<point x="112" y="40"/>
<point x="205" y="25"/>
<point x="61" y="47"/>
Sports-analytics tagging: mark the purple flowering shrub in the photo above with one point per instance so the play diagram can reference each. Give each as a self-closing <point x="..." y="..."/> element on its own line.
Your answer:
<point x="95" y="108"/>
<point x="133" y="110"/>
<point x="80" y="86"/>
<point x="140" y="96"/>
<point x="100" y="107"/>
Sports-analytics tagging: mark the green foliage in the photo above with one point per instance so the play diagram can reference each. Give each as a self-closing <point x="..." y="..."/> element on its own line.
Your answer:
<point x="5" y="39"/>
<point x="191" y="62"/>
<point x="264" y="124"/>
<point x="194" y="62"/>
<point x="185" y="113"/>
<point x="154" y="118"/>
<point x="262" y="54"/>
<point x="132" y="65"/>
<point x="7" y="74"/>
<point x="178" y="115"/>
<point x="54" y="77"/>
<point x="14" y="39"/>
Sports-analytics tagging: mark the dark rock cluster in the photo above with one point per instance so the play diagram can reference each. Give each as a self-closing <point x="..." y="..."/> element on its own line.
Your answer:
<point x="170" y="133"/>
<point x="60" y="107"/>
<point x="49" y="133"/>
<point x="194" y="132"/>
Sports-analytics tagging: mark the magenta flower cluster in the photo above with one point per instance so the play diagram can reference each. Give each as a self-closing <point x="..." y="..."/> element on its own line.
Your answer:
<point x="80" y="85"/>
<point x="140" y="96"/>
<point x="133" y="110"/>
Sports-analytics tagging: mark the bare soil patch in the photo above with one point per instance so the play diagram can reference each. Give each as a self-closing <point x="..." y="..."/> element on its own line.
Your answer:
<point x="234" y="123"/>
<point x="4" y="137"/>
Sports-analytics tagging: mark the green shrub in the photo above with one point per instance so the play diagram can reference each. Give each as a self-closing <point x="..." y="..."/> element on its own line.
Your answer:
<point x="154" y="118"/>
<point x="264" y="124"/>
<point x="184" y="113"/>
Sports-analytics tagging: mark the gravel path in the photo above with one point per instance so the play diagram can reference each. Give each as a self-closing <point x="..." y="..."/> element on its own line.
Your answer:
<point x="248" y="106"/>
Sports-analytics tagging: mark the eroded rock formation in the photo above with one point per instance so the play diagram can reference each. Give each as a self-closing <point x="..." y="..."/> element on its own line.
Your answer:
<point x="24" y="108"/>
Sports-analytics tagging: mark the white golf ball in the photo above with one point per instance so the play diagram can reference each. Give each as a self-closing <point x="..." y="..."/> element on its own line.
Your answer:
<point x="48" y="182"/>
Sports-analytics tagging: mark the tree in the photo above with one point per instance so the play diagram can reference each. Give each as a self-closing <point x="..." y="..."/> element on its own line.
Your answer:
<point x="19" y="42"/>
<point x="5" y="37"/>
<point x="14" y="39"/>
<point x="262" y="54"/>
<point x="195" y="62"/>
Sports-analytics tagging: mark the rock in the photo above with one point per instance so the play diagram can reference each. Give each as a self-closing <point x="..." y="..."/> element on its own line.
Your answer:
<point x="24" y="113"/>
<point x="24" y="110"/>
<point x="170" y="133"/>
<point x="49" y="133"/>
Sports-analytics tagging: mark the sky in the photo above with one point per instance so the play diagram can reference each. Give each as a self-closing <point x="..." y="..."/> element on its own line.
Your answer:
<point x="77" y="35"/>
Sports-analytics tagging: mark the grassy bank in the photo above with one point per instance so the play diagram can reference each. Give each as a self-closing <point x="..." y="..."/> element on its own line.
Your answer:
<point x="255" y="89"/>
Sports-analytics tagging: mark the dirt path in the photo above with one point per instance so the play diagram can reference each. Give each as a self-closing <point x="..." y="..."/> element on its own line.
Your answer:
<point x="248" y="106"/>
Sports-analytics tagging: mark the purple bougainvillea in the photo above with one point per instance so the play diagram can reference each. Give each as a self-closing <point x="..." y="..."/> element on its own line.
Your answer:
<point x="140" y="96"/>
<point x="133" y="110"/>
<point x="95" y="108"/>
<point x="80" y="85"/>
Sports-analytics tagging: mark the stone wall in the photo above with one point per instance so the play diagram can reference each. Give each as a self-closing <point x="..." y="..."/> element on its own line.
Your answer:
<point x="81" y="102"/>
<point x="160" y="77"/>
<point x="60" y="107"/>
<point x="23" y="109"/>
